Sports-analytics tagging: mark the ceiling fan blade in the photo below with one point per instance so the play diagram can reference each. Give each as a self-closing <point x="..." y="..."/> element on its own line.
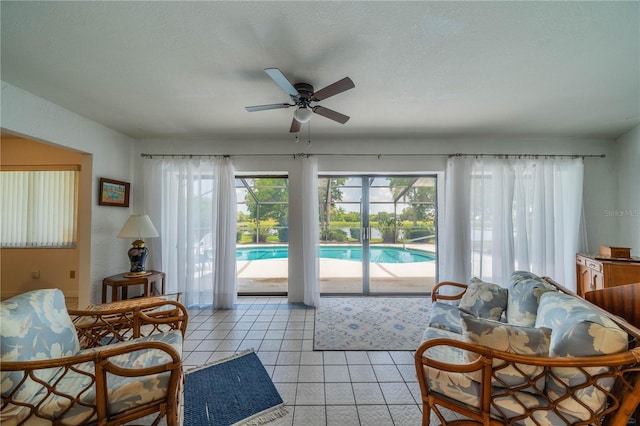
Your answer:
<point x="266" y="107"/>
<point x="333" y="89"/>
<point x="295" y="126"/>
<point x="331" y="114"/>
<point x="282" y="81"/>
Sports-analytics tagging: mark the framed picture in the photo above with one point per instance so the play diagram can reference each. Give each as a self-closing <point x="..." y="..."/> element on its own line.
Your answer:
<point x="113" y="193"/>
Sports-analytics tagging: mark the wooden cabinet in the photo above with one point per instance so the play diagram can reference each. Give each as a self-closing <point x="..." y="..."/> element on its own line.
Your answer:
<point x="594" y="273"/>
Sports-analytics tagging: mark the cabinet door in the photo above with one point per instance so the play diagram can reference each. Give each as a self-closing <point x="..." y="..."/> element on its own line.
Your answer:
<point x="584" y="279"/>
<point x="597" y="280"/>
<point x="621" y="273"/>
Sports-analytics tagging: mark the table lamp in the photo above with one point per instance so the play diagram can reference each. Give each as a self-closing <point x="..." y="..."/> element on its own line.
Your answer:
<point x="138" y="226"/>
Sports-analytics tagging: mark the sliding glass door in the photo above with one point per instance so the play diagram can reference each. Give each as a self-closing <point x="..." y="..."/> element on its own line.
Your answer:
<point x="262" y="252"/>
<point x="377" y="234"/>
<point x="341" y="239"/>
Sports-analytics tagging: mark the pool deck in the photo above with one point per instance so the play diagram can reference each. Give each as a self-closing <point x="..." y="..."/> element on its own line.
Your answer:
<point x="343" y="276"/>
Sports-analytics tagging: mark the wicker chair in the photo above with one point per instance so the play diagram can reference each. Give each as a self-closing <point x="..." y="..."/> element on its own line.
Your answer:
<point x="105" y="366"/>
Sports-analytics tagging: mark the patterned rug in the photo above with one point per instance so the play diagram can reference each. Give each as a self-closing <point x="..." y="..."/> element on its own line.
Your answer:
<point x="370" y="323"/>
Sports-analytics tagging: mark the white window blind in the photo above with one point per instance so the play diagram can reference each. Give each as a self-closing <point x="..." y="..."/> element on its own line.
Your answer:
<point x="38" y="208"/>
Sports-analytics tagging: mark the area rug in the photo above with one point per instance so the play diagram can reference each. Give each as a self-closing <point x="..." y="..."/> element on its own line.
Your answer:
<point x="370" y="323"/>
<point x="234" y="391"/>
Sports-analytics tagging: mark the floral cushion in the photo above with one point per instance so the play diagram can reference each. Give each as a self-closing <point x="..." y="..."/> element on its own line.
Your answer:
<point x="445" y="316"/>
<point x="484" y="300"/>
<point x="34" y="325"/>
<point x="512" y="339"/>
<point x="525" y="290"/>
<point x="578" y="330"/>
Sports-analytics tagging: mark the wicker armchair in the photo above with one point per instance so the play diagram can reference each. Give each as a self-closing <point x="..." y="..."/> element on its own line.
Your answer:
<point x="105" y="366"/>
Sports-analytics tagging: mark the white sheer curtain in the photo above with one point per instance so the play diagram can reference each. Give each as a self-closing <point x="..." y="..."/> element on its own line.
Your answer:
<point x="455" y="246"/>
<point x="225" y="293"/>
<point x="512" y="214"/>
<point x="190" y="200"/>
<point x="310" y="237"/>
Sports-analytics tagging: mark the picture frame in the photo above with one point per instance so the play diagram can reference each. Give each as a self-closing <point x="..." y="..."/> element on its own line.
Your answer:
<point x="113" y="193"/>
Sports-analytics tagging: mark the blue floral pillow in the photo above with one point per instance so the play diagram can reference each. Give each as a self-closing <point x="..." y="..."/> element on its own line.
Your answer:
<point x="511" y="339"/>
<point x="525" y="290"/>
<point x="34" y="325"/>
<point x="578" y="330"/>
<point x="484" y="300"/>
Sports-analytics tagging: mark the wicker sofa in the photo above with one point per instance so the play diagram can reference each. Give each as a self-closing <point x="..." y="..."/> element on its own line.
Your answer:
<point x="107" y="366"/>
<point x="530" y="353"/>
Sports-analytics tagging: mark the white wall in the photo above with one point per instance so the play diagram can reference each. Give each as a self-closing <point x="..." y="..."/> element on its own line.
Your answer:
<point x="600" y="173"/>
<point x="625" y="213"/>
<point x="33" y="117"/>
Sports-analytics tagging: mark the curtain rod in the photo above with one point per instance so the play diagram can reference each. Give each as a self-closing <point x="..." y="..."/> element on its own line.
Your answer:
<point x="526" y="156"/>
<point x="531" y="156"/>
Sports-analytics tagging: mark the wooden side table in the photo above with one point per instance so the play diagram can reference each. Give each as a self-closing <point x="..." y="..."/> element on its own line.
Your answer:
<point x="120" y="282"/>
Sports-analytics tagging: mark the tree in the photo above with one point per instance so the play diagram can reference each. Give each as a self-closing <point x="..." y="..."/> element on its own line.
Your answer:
<point x="329" y="193"/>
<point x="273" y="197"/>
<point x="421" y="197"/>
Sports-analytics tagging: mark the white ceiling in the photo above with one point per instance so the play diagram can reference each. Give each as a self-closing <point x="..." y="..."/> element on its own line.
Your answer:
<point x="187" y="69"/>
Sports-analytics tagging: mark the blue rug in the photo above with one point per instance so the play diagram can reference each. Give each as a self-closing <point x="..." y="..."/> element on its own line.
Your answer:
<point x="233" y="391"/>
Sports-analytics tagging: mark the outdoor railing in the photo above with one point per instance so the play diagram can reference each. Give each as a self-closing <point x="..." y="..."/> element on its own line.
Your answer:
<point x="404" y="243"/>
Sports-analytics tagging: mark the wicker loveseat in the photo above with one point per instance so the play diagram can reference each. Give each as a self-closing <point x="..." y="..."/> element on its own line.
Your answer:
<point x="529" y="354"/>
<point x="115" y="365"/>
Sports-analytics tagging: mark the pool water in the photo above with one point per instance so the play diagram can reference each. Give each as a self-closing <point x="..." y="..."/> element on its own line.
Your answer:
<point x="354" y="253"/>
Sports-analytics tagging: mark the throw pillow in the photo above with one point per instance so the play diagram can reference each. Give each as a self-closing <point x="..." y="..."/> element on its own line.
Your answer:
<point x="525" y="290"/>
<point x="578" y="330"/>
<point x="484" y="300"/>
<point x="511" y="339"/>
<point x="35" y="325"/>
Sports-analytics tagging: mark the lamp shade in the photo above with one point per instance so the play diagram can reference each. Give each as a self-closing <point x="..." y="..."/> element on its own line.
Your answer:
<point x="303" y="114"/>
<point x="138" y="226"/>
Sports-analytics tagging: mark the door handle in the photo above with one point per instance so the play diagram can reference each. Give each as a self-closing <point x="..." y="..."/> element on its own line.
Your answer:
<point x="366" y="230"/>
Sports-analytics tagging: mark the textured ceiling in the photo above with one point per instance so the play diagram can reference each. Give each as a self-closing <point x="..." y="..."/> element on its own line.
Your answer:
<point x="187" y="69"/>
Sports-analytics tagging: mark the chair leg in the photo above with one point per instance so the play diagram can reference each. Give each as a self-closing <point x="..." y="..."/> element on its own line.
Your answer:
<point x="426" y="414"/>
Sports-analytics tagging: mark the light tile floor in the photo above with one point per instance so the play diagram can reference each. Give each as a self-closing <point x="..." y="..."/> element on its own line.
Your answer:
<point x="318" y="387"/>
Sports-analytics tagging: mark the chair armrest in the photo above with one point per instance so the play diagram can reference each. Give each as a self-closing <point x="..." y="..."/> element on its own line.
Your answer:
<point x="106" y="324"/>
<point x="435" y="293"/>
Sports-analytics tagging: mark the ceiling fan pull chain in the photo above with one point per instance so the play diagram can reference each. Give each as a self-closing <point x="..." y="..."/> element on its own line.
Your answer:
<point x="309" y="128"/>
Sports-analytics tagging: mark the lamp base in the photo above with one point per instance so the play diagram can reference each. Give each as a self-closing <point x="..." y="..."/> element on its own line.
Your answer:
<point x="137" y="274"/>
<point x="138" y="256"/>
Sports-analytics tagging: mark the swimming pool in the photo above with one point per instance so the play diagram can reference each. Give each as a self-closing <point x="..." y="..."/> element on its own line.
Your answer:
<point x="354" y="253"/>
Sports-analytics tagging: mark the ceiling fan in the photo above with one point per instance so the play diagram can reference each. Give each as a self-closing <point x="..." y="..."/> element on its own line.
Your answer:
<point x="302" y="95"/>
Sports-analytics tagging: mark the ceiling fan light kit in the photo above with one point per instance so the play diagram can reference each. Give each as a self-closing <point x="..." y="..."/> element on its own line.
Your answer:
<point x="303" y="114"/>
<point x="302" y="95"/>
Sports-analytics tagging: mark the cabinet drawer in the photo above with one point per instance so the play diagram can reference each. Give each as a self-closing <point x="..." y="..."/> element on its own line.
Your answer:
<point x="581" y="261"/>
<point x="596" y="266"/>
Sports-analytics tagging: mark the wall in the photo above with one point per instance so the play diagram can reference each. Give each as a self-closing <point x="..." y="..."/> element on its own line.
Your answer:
<point x="101" y="253"/>
<point x="626" y="211"/>
<point x="422" y="156"/>
<point x="53" y="265"/>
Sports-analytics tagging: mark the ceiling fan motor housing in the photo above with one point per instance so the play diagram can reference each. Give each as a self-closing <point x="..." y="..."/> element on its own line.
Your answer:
<point x="306" y="94"/>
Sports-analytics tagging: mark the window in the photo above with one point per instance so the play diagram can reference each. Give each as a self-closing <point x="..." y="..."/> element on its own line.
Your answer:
<point x="38" y="208"/>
